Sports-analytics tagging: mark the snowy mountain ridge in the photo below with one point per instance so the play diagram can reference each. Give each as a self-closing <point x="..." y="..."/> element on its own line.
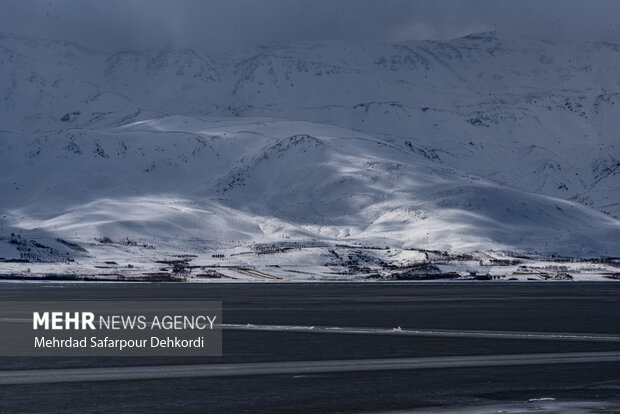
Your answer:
<point x="478" y="143"/>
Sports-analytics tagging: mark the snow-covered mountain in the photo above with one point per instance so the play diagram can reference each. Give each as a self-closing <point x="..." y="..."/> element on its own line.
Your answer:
<point x="477" y="143"/>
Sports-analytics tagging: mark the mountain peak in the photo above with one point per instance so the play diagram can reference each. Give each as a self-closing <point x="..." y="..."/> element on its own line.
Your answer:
<point x="488" y="36"/>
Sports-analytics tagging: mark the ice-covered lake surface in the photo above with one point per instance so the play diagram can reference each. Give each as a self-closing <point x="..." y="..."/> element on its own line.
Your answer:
<point x="511" y="371"/>
<point x="547" y="405"/>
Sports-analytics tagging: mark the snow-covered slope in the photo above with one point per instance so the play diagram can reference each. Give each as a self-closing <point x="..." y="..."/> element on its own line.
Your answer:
<point x="478" y="143"/>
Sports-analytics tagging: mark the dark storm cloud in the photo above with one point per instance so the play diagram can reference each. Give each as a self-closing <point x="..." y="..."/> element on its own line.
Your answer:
<point x="207" y="25"/>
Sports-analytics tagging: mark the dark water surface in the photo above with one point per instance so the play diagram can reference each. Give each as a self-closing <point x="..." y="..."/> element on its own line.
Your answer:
<point x="561" y="307"/>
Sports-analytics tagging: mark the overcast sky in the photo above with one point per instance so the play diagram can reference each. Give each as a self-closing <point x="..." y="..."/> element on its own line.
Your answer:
<point x="225" y="24"/>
